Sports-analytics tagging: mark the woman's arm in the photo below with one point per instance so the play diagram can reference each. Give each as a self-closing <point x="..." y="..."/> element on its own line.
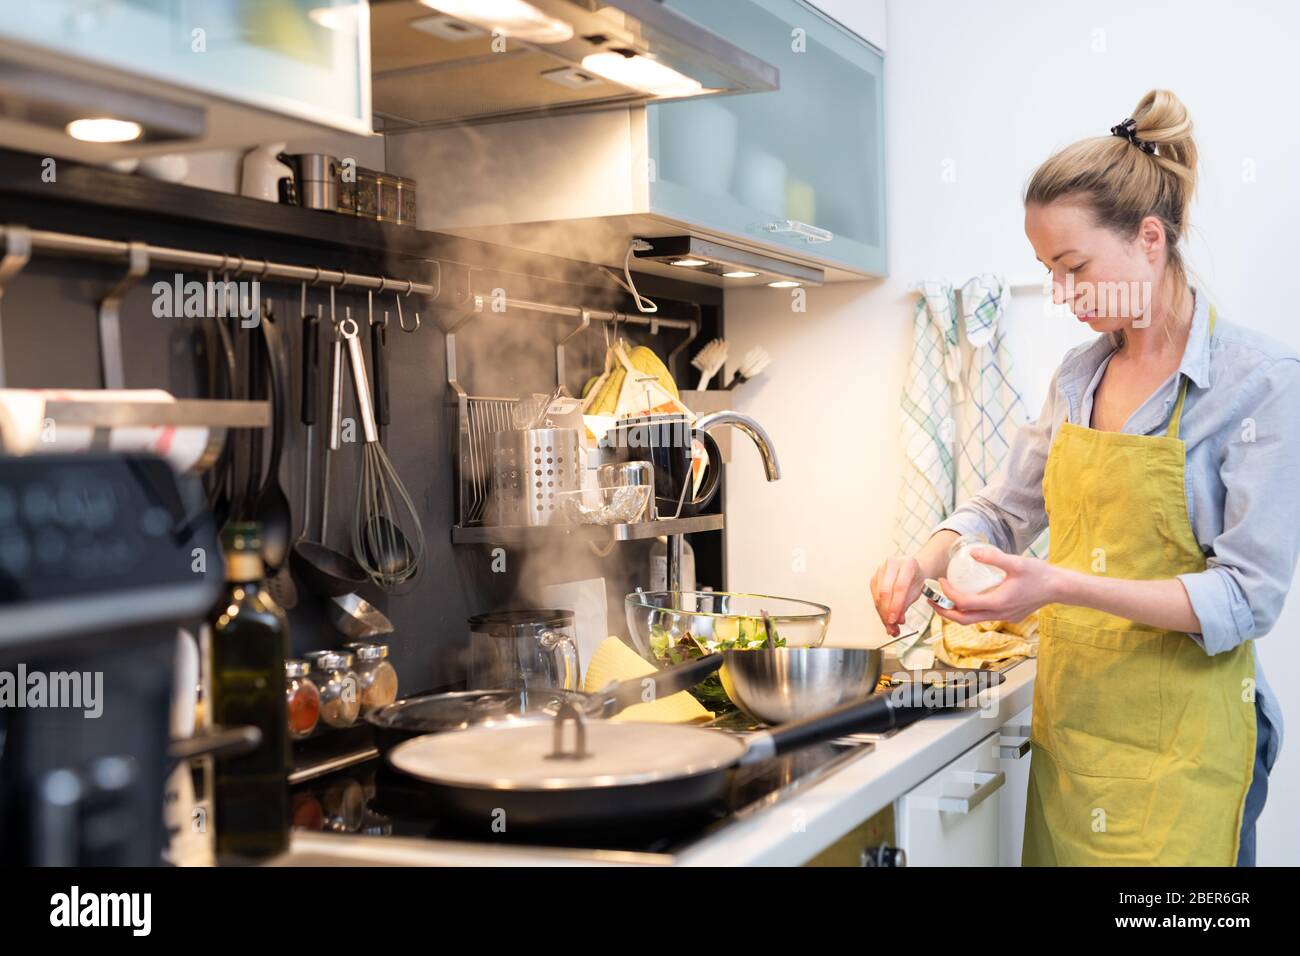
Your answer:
<point x="1031" y="583"/>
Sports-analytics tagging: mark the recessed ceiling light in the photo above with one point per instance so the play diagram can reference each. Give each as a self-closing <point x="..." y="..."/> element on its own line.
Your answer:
<point x="511" y="18"/>
<point x="689" y="262"/>
<point x="739" y="274"/>
<point x="641" y="73"/>
<point x="103" y="129"/>
<point x="783" y="284"/>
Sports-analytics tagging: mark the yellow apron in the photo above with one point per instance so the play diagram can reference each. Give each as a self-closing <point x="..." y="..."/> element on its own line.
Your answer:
<point x="1143" y="745"/>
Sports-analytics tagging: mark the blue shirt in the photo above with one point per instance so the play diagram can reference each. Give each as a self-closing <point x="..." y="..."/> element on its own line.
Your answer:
<point x="1241" y="425"/>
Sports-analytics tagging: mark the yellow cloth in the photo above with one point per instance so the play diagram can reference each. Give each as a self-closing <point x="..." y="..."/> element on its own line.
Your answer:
<point x="615" y="661"/>
<point x="985" y="644"/>
<point x="1143" y="744"/>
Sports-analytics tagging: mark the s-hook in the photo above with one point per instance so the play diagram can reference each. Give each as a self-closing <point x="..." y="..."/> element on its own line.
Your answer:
<point x="560" y="370"/>
<point x="110" y="323"/>
<point x="401" y="320"/>
<point x="18" y="250"/>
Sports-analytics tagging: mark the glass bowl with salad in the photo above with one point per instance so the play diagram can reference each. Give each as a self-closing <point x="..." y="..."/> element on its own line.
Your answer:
<point x="669" y="627"/>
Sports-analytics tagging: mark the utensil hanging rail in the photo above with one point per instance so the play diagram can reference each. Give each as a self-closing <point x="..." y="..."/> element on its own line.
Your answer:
<point x="481" y="304"/>
<point x="62" y="243"/>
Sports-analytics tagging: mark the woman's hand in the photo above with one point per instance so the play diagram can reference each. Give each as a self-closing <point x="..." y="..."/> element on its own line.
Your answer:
<point x="895" y="587"/>
<point x="1030" y="583"/>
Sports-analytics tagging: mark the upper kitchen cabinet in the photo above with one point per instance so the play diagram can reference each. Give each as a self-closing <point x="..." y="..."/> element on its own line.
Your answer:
<point x="801" y="167"/>
<point x="176" y="75"/>
<point x="777" y="184"/>
<point x="866" y="18"/>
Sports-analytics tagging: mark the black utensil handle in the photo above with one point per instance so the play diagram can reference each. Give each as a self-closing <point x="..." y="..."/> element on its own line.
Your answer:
<point x="662" y="683"/>
<point x="877" y="714"/>
<point x="256" y="345"/>
<point x="279" y="394"/>
<point x="310" y="404"/>
<point x="379" y="376"/>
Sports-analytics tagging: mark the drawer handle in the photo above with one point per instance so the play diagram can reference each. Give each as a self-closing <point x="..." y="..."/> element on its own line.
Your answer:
<point x="1013" y="743"/>
<point x="987" y="783"/>
<point x="803" y="230"/>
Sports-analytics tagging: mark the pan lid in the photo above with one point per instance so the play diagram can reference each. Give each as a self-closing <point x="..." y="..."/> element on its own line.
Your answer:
<point x="431" y="713"/>
<point x="519" y="757"/>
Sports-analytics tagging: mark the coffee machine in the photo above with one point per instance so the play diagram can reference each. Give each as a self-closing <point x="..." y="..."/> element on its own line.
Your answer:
<point x="102" y="558"/>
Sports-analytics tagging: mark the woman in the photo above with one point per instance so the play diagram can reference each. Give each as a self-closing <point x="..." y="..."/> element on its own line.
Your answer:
<point x="1164" y="465"/>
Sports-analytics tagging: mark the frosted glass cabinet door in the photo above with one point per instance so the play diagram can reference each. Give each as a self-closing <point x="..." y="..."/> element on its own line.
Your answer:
<point x="801" y="166"/>
<point x="309" y="59"/>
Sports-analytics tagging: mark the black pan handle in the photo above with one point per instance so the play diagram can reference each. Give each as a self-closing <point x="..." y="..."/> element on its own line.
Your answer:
<point x="877" y="714"/>
<point x="662" y="683"/>
<point x="310" y="403"/>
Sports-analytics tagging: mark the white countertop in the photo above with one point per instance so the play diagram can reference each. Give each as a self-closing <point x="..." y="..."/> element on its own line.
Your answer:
<point x="797" y="829"/>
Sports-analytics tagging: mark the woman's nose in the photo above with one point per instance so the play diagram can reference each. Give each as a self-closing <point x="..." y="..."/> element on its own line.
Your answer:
<point x="1058" y="290"/>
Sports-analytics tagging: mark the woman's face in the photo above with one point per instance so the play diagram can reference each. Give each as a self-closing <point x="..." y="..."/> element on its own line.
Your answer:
<point x="1107" y="281"/>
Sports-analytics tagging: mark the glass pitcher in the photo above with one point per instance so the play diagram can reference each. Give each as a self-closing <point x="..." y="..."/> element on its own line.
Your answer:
<point x="523" y="650"/>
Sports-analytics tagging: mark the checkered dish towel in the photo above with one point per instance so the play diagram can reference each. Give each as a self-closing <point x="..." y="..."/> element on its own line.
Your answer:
<point x="929" y="428"/>
<point x="996" y="409"/>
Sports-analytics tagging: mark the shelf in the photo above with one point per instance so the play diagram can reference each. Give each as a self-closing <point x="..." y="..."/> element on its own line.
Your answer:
<point x="599" y="534"/>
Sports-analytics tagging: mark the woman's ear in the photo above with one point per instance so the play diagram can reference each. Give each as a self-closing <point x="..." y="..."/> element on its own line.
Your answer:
<point x="1151" y="238"/>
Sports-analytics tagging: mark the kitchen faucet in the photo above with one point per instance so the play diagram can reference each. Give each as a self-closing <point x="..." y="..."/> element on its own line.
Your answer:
<point x="771" y="468"/>
<point x="753" y="429"/>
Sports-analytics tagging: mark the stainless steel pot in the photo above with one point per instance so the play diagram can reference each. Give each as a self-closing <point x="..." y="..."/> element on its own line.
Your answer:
<point x="778" y="685"/>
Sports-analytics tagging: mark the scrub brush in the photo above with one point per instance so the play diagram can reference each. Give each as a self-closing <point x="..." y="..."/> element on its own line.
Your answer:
<point x="751" y="366"/>
<point x="709" y="360"/>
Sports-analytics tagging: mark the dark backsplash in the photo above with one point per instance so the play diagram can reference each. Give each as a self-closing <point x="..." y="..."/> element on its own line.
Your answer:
<point x="50" y="340"/>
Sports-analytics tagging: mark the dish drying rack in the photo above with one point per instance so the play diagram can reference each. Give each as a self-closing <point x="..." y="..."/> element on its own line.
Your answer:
<point x="479" y="417"/>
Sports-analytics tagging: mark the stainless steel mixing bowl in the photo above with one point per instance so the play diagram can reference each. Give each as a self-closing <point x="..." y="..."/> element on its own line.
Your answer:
<point x="789" y="683"/>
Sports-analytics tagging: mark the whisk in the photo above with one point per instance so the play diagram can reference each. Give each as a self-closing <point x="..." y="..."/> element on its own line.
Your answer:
<point x="387" y="537"/>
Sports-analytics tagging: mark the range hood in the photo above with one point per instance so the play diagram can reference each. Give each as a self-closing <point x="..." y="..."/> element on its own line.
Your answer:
<point x="442" y="62"/>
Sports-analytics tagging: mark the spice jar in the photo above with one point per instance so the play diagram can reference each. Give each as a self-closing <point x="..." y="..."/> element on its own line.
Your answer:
<point x="302" y="699"/>
<point x="390" y="202"/>
<point x="376" y="678"/>
<point x="366" y="198"/>
<point x="968" y="574"/>
<point x="340" y="700"/>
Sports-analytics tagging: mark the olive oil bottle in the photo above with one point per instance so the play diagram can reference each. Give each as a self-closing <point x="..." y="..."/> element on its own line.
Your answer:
<point x="248" y="647"/>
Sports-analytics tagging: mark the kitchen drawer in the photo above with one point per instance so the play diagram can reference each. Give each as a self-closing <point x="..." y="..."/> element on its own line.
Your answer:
<point x="953" y="817"/>
<point x="800" y="168"/>
<point x="1013" y="759"/>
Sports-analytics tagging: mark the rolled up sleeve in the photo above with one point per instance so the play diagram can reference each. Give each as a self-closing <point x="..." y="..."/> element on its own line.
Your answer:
<point x="1252" y="561"/>
<point x="1009" y="510"/>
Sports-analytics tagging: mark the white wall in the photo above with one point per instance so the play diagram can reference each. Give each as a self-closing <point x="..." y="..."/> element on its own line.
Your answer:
<point x="986" y="91"/>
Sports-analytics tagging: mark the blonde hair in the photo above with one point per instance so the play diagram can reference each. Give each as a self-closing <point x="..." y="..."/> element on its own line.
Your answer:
<point x="1121" y="183"/>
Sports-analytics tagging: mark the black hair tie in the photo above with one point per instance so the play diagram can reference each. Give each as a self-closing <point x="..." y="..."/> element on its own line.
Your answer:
<point x="1128" y="130"/>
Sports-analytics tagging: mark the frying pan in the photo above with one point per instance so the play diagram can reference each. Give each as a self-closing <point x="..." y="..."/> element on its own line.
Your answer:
<point x="571" y="772"/>
<point x="412" y="717"/>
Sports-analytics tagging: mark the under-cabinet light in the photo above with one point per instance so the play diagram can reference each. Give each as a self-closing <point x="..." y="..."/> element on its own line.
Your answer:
<point x="641" y="73"/>
<point x="104" y="129"/>
<point x="511" y="18"/>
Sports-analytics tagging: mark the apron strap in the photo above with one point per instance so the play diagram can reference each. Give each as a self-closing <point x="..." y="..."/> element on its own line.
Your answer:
<point x="1176" y="419"/>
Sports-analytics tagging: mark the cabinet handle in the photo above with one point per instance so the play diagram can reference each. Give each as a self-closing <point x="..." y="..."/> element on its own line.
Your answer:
<point x="987" y="784"/>
<point x="803" y="230"/>
<point x="1013" y="743"/>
